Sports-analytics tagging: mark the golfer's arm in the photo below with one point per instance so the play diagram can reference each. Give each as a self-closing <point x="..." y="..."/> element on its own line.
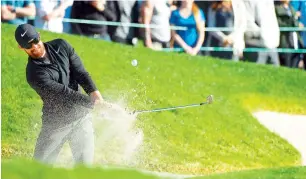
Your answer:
<point x="26" y="11"/>
<point x="81" y="75"/>
<point x="48" y="88"/>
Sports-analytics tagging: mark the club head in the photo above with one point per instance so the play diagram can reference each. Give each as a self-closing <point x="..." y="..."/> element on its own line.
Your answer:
<point x="209" y="99"/>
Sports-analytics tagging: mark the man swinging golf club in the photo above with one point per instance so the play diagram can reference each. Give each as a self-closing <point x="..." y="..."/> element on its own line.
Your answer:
<point x="55" y="71"/>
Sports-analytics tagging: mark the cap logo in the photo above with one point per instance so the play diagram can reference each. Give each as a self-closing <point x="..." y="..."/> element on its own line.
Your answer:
<point x="24" y="33"/>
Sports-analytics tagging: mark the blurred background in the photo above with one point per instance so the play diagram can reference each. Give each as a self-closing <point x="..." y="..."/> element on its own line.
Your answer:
<point x="259" y="31"/>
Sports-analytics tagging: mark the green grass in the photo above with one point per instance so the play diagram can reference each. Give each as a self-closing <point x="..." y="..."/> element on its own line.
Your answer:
<point x="26" y="169"/>
<point x="222" y="137"/>
<point x="279" y="173"/>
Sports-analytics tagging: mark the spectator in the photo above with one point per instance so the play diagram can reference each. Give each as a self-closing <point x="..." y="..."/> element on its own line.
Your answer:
<point x="67" y="25"/>
<point x="300" y="7"/>
<point x="50" y="14"/>
<point x="99" y="10"/>
<point x="190" y="16"/>
<point x="205" y="5"/>
<point x="127" y="13"/>
<point x="227" y="14"/>
<point x="286" y="17"/>
<point x="157" y="13"/>
<point x="17" y="11"/>
<point x="263" y="31"/>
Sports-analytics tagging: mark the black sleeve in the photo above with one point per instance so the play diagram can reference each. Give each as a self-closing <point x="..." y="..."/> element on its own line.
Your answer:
<point x="82" y="76"/>
<point x="47" y="88"/>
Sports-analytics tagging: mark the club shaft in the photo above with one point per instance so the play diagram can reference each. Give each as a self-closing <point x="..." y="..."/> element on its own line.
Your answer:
<point x="170" y="108"/>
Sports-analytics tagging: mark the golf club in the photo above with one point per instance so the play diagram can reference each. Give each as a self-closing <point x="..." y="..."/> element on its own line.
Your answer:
<point x="209" y="100"/>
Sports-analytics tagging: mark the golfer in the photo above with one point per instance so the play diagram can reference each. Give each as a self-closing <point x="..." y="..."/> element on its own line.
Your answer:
<point x="55" y="71"/>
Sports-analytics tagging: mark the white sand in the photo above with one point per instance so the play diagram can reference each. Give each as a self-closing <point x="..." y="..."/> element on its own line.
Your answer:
<point x="117" y="140"/>
<point x="290" y="127"/>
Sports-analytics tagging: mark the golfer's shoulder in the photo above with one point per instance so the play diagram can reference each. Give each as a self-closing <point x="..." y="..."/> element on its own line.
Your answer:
<point x="58" y="42"/>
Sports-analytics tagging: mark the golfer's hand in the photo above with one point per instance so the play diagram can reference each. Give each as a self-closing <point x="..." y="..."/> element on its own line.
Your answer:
<point x="96" y="97"/>
<point x="98" y="101"/>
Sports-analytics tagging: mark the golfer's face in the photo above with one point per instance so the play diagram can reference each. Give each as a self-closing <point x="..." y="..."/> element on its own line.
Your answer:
<point x="36" y="49"/>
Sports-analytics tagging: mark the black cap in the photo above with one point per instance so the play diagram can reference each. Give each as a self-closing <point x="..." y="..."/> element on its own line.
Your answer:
<point x="24" y="34"/>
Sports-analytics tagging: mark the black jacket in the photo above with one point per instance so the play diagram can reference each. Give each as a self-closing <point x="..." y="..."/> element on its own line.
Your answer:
<point x="57" y="83"/>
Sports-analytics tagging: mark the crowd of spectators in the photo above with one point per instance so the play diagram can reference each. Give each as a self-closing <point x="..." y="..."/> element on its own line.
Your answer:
<point x="237" y="24"/>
